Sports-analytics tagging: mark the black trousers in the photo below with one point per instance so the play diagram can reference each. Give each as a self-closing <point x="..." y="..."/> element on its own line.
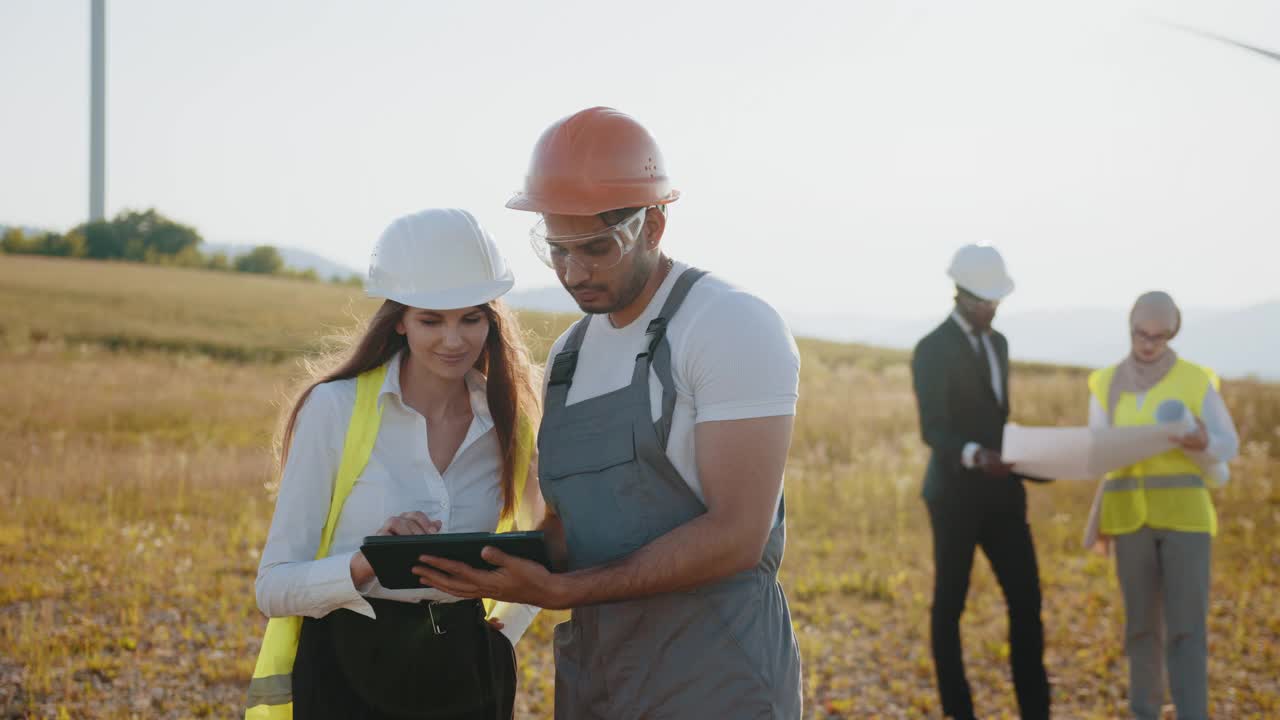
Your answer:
<point x="998" y="525"/>
<point x="322" y="690"/>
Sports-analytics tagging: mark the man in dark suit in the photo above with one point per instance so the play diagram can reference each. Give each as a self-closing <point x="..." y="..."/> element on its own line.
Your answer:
<point x="961" y="373"/>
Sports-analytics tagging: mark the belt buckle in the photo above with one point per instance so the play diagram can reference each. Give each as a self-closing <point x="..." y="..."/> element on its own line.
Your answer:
<point x="431" y="613"/>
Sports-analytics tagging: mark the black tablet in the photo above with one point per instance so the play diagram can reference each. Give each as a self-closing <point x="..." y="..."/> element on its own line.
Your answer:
<point x="393" y="556"/>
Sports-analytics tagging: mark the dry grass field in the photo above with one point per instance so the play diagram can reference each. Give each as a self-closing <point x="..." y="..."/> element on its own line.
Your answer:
<point x="138" y="408"/>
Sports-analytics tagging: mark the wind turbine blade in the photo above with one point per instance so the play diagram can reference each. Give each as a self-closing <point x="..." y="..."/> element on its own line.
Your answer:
<point x="1269" y="54"/>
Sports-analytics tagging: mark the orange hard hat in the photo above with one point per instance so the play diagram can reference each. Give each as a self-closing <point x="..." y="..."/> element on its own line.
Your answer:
<point x="595" y="160"/>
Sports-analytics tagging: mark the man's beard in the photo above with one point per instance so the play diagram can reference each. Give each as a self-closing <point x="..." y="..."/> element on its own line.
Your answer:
<point x="632" y="285"/>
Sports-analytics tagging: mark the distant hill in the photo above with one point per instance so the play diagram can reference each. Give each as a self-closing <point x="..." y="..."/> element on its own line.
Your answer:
<point x="295" y="258"/>
<point x="26" y="229"/>
<point x="236" y="316"/>
<point x="1235" y="342"/>
<point x="240" y="315"/>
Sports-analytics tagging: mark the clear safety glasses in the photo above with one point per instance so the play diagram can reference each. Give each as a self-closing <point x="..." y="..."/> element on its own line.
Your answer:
<point x="591" y="252"/>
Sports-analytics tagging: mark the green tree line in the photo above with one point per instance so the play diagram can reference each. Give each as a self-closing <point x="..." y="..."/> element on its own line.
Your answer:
<point x="149" y="237"/>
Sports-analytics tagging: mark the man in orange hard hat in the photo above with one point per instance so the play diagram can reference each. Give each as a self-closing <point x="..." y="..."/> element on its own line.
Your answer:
<point x="667" y="421"/>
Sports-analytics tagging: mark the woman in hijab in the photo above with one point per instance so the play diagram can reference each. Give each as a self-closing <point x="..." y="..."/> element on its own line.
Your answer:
<point x="1158" y="512"/>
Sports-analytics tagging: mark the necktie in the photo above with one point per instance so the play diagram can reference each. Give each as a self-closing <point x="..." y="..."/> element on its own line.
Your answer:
<point x="984" y="362"/>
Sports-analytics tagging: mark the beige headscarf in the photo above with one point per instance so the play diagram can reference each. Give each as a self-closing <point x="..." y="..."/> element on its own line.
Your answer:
<point x="1133" y="375"/>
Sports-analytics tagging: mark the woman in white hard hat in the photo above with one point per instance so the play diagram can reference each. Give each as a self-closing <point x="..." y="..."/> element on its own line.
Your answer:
<point x="1158" y="512"/>
<point x="425" y="425"/>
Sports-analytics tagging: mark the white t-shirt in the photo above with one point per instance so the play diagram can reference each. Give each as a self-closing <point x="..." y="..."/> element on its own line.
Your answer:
<point x="732" y="358"/>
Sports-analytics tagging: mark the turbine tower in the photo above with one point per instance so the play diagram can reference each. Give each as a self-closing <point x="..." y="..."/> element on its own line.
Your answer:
<point x="97" y="110"/>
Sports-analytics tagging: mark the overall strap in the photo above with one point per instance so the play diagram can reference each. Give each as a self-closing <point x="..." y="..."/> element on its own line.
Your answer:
<point x="658" y="352"/>
<point x="565" y="363"/>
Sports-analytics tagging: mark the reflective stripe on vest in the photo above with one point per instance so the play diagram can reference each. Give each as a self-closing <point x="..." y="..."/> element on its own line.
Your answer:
<point x="1153" y="482"/>
<point x="283" y="711"/>
<point x="271" y="690"/>
<point x="1168" y="490"/>
<point x="270" y="695"/>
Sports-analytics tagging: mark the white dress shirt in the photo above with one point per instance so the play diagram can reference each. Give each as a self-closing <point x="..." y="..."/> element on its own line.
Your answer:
<point x="971" y="449"/>
<point x="1224" y="442"/>
<point x="399" y="478"/>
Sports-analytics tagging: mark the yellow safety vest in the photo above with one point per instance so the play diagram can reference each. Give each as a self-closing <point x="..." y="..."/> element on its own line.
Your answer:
<point x="271" y="689"/>
<point x="1168" y="490"/>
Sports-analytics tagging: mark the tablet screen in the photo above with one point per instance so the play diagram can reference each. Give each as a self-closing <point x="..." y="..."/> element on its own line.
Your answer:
<point x="393" y="556"/>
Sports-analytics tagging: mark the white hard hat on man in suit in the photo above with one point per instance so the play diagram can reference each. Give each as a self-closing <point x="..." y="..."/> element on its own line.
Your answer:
<point x="980" y="270"/>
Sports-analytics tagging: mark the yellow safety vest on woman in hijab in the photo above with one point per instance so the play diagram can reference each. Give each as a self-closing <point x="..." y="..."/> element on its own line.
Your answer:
<point x="271" y="689"/>
<point x="1168" y="490"/>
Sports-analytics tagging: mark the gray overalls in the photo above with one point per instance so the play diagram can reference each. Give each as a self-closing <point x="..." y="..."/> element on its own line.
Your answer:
<point x="724" y="650"/>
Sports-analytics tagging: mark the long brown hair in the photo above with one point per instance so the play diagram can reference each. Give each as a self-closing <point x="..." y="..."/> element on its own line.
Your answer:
<point x="509" y="374"/>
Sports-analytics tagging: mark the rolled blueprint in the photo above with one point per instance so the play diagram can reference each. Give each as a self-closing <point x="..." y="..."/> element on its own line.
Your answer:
<point x="1081" y="453"/>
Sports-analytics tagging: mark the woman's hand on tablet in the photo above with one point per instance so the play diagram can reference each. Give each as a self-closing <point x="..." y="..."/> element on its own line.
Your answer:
<point x="409" y="523"/>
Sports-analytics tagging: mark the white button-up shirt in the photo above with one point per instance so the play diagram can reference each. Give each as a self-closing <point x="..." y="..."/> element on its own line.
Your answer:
<point x="399" y="478"/>
<point x="970" y="450"/>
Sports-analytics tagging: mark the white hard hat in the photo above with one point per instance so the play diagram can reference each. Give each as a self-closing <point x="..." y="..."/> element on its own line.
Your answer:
<point x="438" y="259"/>
<point x="980" y="270"/>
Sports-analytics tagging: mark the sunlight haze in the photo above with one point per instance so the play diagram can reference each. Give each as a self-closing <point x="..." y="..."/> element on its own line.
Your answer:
<point x="831" y="155"/>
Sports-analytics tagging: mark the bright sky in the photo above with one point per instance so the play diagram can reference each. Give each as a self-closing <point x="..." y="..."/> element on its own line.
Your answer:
<point x="831" y="155"/>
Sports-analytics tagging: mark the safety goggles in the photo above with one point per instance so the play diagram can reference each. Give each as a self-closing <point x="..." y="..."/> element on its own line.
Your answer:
<point x="591" y="252"/>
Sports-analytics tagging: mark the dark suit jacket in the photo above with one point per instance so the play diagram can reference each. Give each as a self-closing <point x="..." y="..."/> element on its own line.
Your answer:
<point x="958" y="406"/>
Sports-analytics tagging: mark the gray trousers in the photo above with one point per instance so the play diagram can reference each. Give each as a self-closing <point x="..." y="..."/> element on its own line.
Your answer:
<point x="1164" y="575"/>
